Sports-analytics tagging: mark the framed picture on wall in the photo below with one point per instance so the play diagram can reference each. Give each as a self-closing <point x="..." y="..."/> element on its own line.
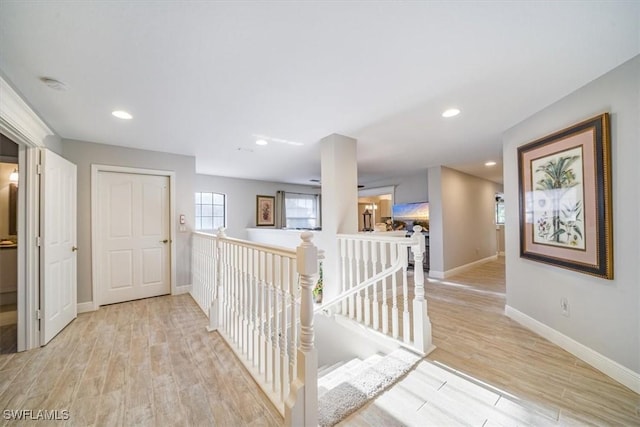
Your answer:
<point x="265" y="215"/>
<point x="565" y="198"/>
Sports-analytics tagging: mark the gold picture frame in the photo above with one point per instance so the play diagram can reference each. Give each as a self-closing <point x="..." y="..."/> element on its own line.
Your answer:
<point x="565" y="198"/>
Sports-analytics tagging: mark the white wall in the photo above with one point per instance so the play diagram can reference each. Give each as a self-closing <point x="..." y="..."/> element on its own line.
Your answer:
<point x="84" y="154"/>
<point x="241" y="198"/>
<point x="603" y="313"/>
<point x="462" y="226"/>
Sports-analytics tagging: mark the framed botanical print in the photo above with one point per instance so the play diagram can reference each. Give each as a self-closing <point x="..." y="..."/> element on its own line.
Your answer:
<point x="265" y="215"/>
<point x="565" y="198"/>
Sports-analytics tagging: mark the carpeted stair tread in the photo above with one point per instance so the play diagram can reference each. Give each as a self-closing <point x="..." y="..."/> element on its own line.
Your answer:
<point x="352" y="392"/>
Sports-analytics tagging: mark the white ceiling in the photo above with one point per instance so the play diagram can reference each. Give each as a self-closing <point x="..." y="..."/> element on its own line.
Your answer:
<point x="202" y="78"/>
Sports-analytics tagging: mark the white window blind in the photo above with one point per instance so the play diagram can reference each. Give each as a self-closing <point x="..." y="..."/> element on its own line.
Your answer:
<point x="301" y="210"/>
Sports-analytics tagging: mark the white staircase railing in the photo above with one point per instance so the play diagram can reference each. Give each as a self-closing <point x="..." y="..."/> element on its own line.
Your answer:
<point x="254" y="293"/>
<point x="375" y="287"/>
<point x="259" y="298"/>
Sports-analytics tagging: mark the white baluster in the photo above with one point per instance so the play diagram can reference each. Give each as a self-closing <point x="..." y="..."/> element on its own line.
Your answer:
<point x="293" y="339"/>
<point x="250" y="307"/>
<point x="245" y="301"/>
<point x="374" y="263"/>
<point x="345" y="275"/>
<point x="275" y="336"/>
<point x="256" y="308"/>
<point x="395" y="330"/>
<point x="262" y="317"/>
<point x="358" y="267"/>
<point x="284" y="357"/>
<point x="350" y="256"/>
<point x="385" y="304"/>
<point x="301" y="408"/>
<point x="215" y="309"/>
<point x="406" y="317"/>
<point x="365" y="266"/>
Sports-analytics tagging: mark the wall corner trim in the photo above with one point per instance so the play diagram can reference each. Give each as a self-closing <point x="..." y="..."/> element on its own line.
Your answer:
<point x="613" y="369"/>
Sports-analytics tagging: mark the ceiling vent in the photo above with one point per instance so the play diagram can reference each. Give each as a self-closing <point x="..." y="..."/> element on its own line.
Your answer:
<point x="53" y="83"/>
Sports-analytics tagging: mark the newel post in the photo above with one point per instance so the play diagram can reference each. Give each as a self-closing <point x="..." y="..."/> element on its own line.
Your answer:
<point x="421" y="321"/>
<point x="215" y="309"/>
<point x="301" y="408"/>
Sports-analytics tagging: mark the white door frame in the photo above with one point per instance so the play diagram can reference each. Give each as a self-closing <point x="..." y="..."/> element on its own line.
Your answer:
<point x="22" y="125"/>
<point x="95" y="233"/>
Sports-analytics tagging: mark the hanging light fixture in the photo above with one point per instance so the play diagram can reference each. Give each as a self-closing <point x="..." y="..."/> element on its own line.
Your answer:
<point x="13" y="177"/>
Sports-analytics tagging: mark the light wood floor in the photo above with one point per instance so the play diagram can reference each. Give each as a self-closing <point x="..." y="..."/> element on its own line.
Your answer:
<point x="151" y="362"/>
<point x="148" y="362"/>
<point x="487" y="370"/>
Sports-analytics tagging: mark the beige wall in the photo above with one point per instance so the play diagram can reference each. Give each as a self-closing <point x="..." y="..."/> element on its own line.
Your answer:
<point x="462" y="219"/>
<point x="603" y="314"/>
<point x="84" y="154"/>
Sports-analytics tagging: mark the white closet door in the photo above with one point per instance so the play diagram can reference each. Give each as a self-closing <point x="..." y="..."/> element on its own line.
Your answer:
<point x="58" y="280"/>
<point x="134" y="233"/>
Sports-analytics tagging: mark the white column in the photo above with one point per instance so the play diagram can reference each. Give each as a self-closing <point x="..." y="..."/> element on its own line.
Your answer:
<point x="339" y="175"/>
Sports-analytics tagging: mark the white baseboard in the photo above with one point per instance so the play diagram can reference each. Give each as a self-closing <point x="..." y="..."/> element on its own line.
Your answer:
<point x="85" y="307"/>
<point x="444" y="274"/>
<point x="602" y="363"/>
<point x="184" y="289"/>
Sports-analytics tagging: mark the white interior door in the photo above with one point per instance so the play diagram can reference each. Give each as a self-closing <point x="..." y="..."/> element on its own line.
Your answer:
<point x="134" y="236"/>
<point x="58" y="281"/>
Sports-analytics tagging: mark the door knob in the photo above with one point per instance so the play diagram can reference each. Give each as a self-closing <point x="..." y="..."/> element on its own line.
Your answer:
<point x="164" y="241"/>
<point x="74" y="248"/>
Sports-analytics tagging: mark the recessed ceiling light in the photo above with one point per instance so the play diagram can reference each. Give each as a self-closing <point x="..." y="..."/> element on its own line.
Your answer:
<point x="122" y="115"/>
<point x="491" y="163"/>
<point x="261" y="142"/>
<point x="268" y="139"/>
<point x="451" y="112"/>
<point x="53" y="83"/>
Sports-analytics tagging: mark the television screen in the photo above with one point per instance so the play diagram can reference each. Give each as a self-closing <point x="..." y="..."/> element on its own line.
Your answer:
<point x="406" y="215"/>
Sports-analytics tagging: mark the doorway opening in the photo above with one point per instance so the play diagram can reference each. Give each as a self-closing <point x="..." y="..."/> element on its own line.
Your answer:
<point x="374" y="209"/>
<point x="9" y="179"/>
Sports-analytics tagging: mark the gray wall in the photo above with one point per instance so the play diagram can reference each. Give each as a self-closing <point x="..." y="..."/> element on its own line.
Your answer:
<point x="84" y="154"/>
<point x="603" y="313"/>
<point x="408" y="188"/>
<point x="463" y="207"/>
<point x="54" y="143"/>
<point x="241" y="198"/>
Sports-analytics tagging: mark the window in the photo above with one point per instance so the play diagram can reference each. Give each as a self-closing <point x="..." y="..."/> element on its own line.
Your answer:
<point x="499" y="210"/>
<point x="210" y="211"/>
<point x="302" y="210"/>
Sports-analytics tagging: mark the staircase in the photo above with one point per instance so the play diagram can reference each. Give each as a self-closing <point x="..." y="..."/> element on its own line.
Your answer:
<point x="255" y="294"/>
<point x="343" y="388"/>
